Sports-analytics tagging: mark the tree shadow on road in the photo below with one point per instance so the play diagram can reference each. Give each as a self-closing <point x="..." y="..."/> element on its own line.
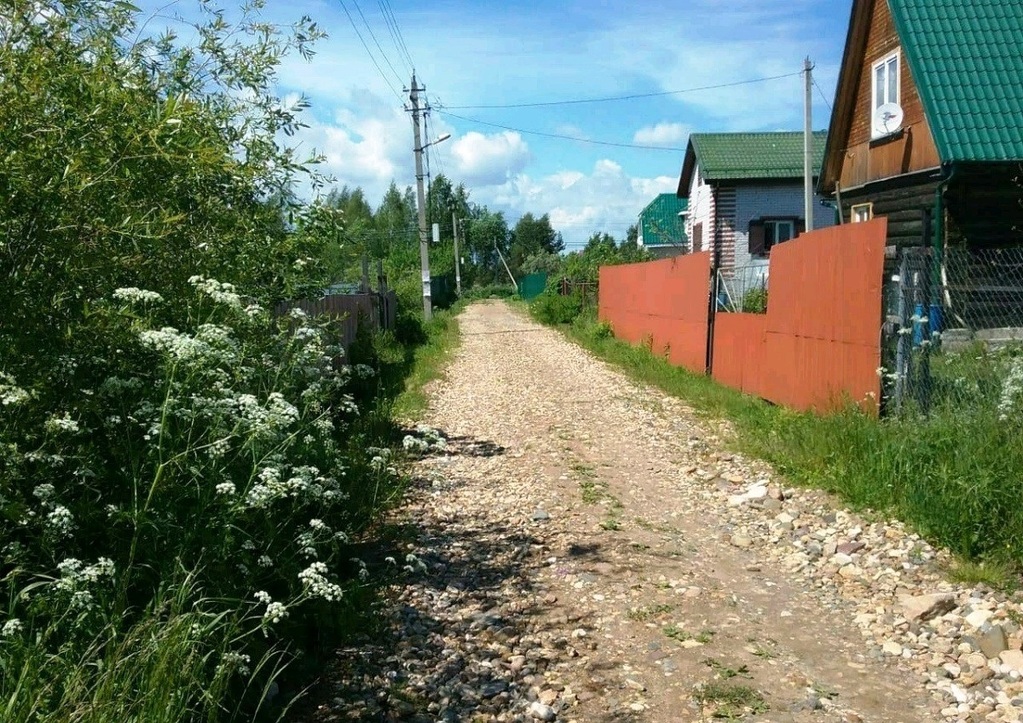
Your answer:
<point x="457" y="605"/>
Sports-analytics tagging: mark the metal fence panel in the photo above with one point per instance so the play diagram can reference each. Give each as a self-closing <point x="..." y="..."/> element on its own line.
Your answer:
<point x="955" y="323"/>
<point x="532" y="285"/>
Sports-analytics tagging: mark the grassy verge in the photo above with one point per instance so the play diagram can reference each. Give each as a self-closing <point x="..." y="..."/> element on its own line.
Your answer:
<point x="957" y="478"/>
<point x="427" y="362"/>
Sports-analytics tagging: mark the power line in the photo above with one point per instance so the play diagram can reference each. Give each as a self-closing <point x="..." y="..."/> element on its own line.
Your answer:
<point x="368" y="51"/>
<point x="823" y="97"/>
<point x="634" y="96"/>
<point x="388" y="11"/>
<point x="373" y="35"/>
<point x="563" y="137"/>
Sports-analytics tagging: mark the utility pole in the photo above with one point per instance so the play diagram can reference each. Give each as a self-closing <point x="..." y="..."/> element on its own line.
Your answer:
<point x="458" y="271"/>
<point x="424" y="248"/>
<point x="808" y="144"/>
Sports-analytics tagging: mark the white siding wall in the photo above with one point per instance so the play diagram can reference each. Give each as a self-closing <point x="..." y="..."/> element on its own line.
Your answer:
<point x="753" y="202"/>
<point x="701" y="209"/>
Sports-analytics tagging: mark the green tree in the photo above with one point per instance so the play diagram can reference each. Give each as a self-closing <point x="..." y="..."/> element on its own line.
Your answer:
<point x="533" y="235"/>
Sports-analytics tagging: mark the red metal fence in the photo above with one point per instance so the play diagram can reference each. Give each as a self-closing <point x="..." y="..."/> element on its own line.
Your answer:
<point x="665" y="302"/>
<point x="818" y="345"/>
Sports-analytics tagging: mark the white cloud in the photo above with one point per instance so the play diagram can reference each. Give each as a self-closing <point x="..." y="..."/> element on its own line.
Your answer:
<point x="606" y="199"/>
<point x="663" y="134"/>
<point x="489" y="160"/>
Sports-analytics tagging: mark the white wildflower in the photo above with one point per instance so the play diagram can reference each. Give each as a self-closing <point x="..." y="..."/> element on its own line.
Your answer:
<point x="220" y="292"/>
<point x="11" y="628"/>
<point x="315" y="582"/>
<point x="61" y="520"/>
<point x="317" y="524"/>
<point x="61" y="424"/>
<point x="275" y="612"/>
<point x="264" y="597"/>
<point x="1012" y="390"/>
<point x="226" y="488"/>
<point x="237" y="662"/>
<point x="134" y="295"/>
<point x="297" y="313"/>
<point x="44" y="491"/>
<point x="10" y="393"/>
<point x="265" y="561"/>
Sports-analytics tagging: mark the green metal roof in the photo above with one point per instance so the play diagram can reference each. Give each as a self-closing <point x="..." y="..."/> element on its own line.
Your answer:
<point x="660" y="222"/>
<point x="967" y="60"/>
<point x="742" y="156"/>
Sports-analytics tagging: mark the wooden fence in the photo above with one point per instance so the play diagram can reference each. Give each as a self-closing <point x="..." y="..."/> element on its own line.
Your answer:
<point x="349" y="311"/>
<point x="817" y="347"/>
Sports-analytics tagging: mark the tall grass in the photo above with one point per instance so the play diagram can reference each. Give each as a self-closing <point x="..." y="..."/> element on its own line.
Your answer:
<point x="956" y="476"/>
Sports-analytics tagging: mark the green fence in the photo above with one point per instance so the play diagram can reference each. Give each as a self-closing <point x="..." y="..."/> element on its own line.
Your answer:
<point x="532" y="286"/>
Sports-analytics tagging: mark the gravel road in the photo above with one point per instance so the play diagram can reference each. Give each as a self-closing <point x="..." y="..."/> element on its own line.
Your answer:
<point x="588" y="549"/>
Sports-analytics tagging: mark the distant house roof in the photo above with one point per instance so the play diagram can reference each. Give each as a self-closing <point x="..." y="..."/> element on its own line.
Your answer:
<point x="967" y="59"/>
<point x="747" y="157"/>
<point x="660" y="223"/>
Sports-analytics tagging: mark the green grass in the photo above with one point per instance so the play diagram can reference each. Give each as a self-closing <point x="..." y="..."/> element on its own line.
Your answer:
<point x="731" y="702"/>
<point x="428" y="362"/>
<point x="956" y="477"/>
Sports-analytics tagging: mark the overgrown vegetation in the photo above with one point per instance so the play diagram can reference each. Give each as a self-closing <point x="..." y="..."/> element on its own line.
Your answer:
<point x="184" y="474"/>
<point x="956" y="476"/>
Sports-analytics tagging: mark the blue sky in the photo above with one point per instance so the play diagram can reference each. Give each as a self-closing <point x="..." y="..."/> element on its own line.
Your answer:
<point x="482" y="52"/>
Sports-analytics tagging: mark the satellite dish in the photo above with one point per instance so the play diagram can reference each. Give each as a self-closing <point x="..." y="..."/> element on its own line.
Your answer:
<point x="888" y="119"/>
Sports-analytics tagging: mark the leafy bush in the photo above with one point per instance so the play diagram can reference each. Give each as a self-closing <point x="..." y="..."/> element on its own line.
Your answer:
<point x="490" y="291"/>
<point x="754" y="301"/>
<point x="553" y="308"/>
<point x="225" y="456"/>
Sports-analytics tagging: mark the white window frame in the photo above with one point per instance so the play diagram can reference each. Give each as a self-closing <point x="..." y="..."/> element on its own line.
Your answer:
<point x="883" y="63"/>
<point x="868" y="207"/>
<point x="772" y="224"/>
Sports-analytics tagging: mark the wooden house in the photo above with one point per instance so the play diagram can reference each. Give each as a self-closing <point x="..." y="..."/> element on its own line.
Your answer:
<point x="927" y="130"/>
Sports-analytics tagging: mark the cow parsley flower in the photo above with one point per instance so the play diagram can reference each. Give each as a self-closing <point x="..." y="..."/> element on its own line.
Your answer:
<point x="315" y="582"/>
<point x="226" y="488"/>
<point x="134" y="295"/>
<point x="237" y="662"/>
<point x="1012" y="389"/>
<point x="11" y="628"/>
<point x="221" y="293"/>
<point x="10" y="393"/>
<point x="61" y="424"/>
<point x="61" y="520"/>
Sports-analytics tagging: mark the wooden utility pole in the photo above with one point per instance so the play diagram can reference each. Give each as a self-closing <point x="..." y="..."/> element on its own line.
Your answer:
<point x="458" y="270"/>
<point x="424" y="248"/>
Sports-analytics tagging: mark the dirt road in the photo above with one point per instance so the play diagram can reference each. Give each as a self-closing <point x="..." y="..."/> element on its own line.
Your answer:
<point x="586" y="549"/>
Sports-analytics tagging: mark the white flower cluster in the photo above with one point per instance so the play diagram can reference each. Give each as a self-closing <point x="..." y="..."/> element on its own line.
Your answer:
<point x="237" y="662"/>
<point x="61" y="424"/>
<point x="268" y="421"/>
<point x="1012" y="389"/>
<point x="226" y="488"/>
<point x="212" y="344"/>
<point x="10" y="393"/>
<point x="134" y="295"/>
<point x="60" y="520"/>
<point x="75" y="576"/>
<point x="11" y="628"/>
<point x="428" y="439"/>
<point x="315" y="582"/>
<point x="221" y="293"/>
<point x="275" y="611"/>
<point x="304" y="481"/>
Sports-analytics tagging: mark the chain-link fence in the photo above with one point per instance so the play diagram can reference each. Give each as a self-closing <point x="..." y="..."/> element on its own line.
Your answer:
<point x="742" y="288"/>
<point x="954" y="332"/>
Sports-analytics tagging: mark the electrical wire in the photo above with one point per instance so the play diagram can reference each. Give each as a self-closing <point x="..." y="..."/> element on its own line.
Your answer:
<point x="398" y="36"/>
<point x="634" y="96"/>
<point x="373" y="35"/>
<point x="562" y="137"/>
<point x="821" y="91"/>
<point x="368" y="51"/>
